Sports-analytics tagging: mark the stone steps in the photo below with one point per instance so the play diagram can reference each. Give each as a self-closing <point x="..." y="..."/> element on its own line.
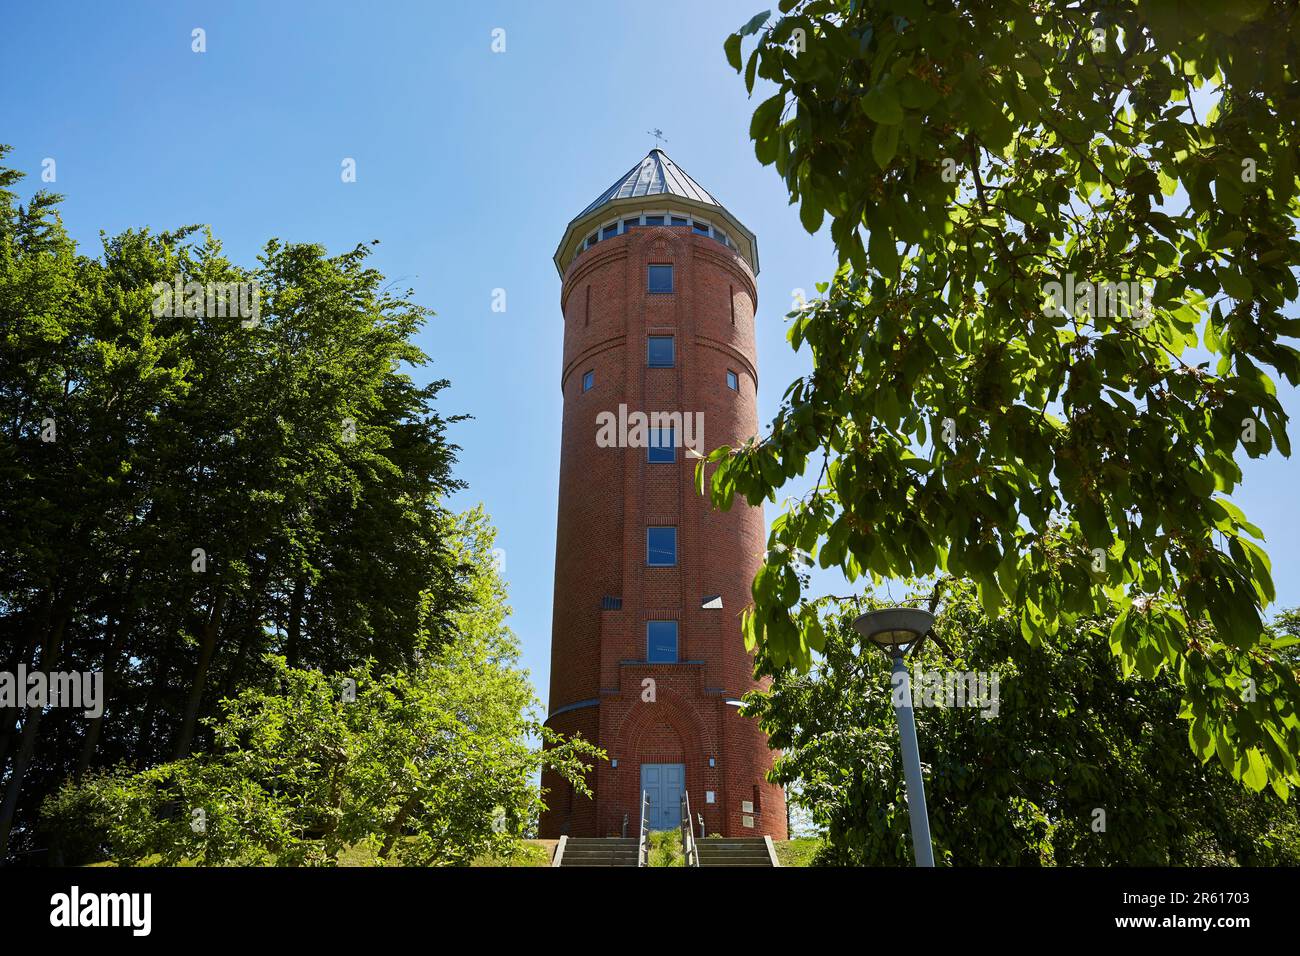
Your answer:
<point x="733" y="851"/>
<point x="597" y="851"/>
<point x="713" y="851"/>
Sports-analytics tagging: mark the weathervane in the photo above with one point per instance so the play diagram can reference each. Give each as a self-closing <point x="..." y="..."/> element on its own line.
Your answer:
<point x="658" y="134"/>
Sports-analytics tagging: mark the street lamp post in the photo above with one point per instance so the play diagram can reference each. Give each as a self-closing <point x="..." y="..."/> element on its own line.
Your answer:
<point x="898" y="631"/>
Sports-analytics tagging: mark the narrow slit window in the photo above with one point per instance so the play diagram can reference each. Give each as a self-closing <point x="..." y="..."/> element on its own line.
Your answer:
<point x="733" y="381"/>
<point x="588" y="380"/>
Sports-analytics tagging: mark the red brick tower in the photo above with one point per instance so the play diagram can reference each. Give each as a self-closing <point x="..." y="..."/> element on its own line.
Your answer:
<point x="646" y="652"/>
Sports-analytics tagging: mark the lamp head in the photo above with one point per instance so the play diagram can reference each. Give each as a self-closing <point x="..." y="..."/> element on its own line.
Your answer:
<point x="895" y="630"/>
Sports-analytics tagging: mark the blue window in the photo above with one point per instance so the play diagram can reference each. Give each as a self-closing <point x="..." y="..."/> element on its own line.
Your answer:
<point x="702" y="228"/>
<point x="680" y="221"/>
<point x="588" y="380"/>
<point x="631" y="223"/>
<point x="661" y="547"/>
<point x="733" y="380"/>
<point x="654" y="220"/>
<point x="610" y="231"/>
<point x="661" y="448"/>
<point x="661" y="642"/>
<point x="721" y="236"/>
<point x="661" y="278"/>
<point x="592" y="240"/>
<point x="659" y="351"/>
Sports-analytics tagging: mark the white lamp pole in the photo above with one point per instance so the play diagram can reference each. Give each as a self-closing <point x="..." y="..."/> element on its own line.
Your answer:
<point x="898" y="631"/>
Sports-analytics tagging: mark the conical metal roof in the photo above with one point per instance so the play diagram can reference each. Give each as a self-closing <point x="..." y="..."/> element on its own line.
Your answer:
<point x="654" y="175"/>
<point x="650" y="187"/>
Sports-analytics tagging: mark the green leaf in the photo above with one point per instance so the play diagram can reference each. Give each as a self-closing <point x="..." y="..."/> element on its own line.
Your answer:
<point x="765" y="118"/>
<point x="731" y="46"/>
<point x="884" y="256"/>
<point x="1235" y="284"/>
<point x="810" y="214"/>
<point x="755" y="23"/>
<point x="1256" y="775"/>
<point x="1228" y="191"/>
<point x="881" y="104"/>
<point x="884" y="144"/>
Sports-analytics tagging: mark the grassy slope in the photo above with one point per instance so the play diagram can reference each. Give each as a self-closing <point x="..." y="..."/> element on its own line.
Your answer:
<point x="797" y="852"/>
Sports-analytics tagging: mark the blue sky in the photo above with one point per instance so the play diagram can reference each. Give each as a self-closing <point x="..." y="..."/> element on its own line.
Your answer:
<point x="469" y="165"/>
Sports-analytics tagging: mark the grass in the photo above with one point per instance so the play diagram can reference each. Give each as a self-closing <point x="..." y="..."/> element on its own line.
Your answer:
<point x="797" y="852"/>
<point x="152" y="859"/>
<point x="665" y="848"/>
<point x="359" y="854"/>
<point x="527" y="853"/>
<point x="523" y="853"/>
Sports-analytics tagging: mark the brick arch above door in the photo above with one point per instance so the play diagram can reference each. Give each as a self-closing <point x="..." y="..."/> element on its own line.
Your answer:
<point x="668" y="709"/>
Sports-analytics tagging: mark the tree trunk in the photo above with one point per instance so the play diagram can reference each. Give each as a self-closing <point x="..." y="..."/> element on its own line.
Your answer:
<point x="117" y="633"/>
<point x="116" y="644"/>
<point x="50" y="654"/>
<point x="395" y="828"/>
<point x="9" y="715"/>
<point x="293" y="650"/>
<point x="162" y="673"/>
<point x="211" y="630"/>
<point x="252" y="629"/>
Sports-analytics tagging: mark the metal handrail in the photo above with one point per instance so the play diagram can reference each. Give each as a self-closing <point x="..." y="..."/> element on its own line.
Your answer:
<point x="688" y="832"/>
<point x="641" y="845"/>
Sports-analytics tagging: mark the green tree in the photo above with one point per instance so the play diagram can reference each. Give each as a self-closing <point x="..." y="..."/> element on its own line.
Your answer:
<point x="1020" y="783"/>
<point x="288" y="446"/>
<point x="964" y="414"/>
<point x="434" y="763"/>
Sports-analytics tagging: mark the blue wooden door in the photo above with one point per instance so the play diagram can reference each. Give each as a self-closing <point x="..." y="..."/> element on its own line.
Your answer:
<point x="663" y="783"/>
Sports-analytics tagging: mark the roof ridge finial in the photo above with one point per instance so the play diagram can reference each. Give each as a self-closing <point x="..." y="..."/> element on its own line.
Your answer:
<point x="659" y="136"/>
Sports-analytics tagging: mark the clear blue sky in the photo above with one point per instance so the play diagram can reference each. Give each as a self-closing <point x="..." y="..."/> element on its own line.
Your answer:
<point x="469" y="165"/>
